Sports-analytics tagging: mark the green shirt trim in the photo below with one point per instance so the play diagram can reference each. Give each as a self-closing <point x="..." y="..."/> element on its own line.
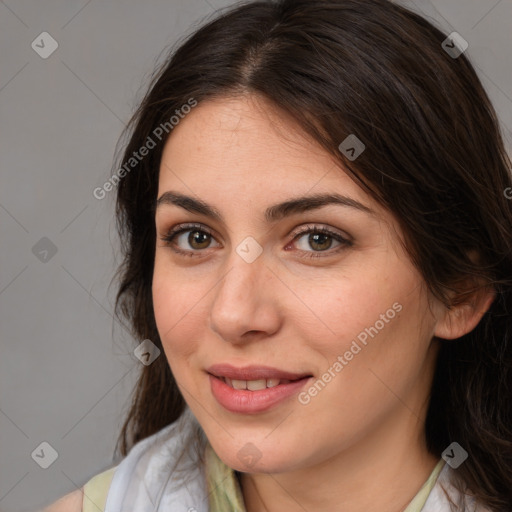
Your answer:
<point x="96" y="490"/>
<point x="225" y="494"/>
<point x="224" y="491"/>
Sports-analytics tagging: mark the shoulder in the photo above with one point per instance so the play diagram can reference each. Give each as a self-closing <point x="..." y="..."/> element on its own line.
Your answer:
<point x="164" y="468"/>
<point x="92" y="496"/>
<point x="447" y="494"/>
<point x="96" y="491"/>
<point x="71" y="502"/>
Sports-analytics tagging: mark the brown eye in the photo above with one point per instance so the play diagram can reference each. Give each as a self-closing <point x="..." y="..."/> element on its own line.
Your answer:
<point x="319" y="241"/>
<point x="200" y="238"/>
<point x="189" y="239"/>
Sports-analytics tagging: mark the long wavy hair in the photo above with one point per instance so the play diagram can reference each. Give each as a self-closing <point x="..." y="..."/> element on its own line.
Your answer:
<point x="434" y="157"/>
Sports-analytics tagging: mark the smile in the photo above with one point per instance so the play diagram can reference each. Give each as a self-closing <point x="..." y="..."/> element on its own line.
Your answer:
<point x="253" y="396"/>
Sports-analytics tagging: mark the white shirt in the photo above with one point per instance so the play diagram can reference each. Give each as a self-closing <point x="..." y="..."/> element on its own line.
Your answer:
<point x="162" y="473"/>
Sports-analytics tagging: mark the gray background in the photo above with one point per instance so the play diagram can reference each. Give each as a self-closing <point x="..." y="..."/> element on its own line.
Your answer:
<point x="66" y="368"/>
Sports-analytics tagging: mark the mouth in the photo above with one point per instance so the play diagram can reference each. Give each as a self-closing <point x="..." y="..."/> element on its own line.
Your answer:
<point x="254" y="378"/>
<point x="256" y="385"/>
<point x="253" y="389"/>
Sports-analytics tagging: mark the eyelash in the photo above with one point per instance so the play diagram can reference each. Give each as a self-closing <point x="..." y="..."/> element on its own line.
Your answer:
<point x="182" y="228"/>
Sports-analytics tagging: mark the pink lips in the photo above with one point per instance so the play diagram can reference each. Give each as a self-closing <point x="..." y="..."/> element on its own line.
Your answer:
<point x="253" y="372"/>
<point x="250" y="402"/>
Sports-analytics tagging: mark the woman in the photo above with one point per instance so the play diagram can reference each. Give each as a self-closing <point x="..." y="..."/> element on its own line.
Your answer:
<point x="316" y="232"/>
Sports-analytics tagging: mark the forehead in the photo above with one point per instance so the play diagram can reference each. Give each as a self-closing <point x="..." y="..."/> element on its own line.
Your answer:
<point x="243" y="131"/>
<point x="245" y="149"/>
<point x="246" y="136"/>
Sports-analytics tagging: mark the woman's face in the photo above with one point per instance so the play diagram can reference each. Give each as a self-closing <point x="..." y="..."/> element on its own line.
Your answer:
<point x="260" y="285"/>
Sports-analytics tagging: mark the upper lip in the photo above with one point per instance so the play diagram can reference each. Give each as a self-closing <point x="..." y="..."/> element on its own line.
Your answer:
<point x="253" y="372"/>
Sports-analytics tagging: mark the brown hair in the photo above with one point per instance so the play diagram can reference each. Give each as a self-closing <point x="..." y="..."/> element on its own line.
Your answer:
<point x="434" y="157"/>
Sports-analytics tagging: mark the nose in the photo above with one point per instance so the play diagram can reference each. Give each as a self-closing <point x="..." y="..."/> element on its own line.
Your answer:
<point x="245" y="304"/>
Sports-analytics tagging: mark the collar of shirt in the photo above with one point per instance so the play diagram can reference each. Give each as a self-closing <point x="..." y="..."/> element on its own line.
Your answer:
<point x="224" y="492"/>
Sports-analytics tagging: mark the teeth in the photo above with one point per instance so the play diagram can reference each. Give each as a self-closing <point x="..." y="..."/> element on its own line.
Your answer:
<point x="239" y="384"/>
<point x="272" y="382"/>
<point x="254" y="385"/>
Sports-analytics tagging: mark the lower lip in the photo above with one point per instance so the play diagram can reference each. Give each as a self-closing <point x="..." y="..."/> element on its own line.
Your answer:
<point x="247" y="402"/>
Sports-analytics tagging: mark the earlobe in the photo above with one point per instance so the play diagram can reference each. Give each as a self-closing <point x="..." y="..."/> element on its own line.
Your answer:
<point x="463" y="318"/>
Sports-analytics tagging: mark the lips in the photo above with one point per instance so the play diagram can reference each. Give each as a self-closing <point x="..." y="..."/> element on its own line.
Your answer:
<point x="253" y="373"/>
<point x="253" y="396"/>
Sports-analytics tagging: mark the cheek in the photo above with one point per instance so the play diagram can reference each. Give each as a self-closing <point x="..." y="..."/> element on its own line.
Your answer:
<point x="377" y="318"/>
<point x="178" y="315"/>
<point x="382" y="356"/>
<point x="343" y="308"/>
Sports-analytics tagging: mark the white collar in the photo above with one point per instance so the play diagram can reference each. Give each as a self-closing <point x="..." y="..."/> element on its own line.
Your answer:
<point x="163" y="473"/>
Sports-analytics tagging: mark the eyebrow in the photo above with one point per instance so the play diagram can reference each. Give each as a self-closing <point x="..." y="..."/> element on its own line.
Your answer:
<point x="273" y="213"/>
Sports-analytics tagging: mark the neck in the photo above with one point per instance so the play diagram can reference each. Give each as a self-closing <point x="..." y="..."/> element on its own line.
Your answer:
<point x="370" y="477"/>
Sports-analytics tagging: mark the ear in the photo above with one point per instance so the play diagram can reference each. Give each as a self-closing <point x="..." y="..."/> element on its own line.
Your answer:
<point x="463" y="318"/>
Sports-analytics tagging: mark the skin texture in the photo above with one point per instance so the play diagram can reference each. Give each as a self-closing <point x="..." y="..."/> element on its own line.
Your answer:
<point x="71" y="502"/>
<point x="358" y="445"/>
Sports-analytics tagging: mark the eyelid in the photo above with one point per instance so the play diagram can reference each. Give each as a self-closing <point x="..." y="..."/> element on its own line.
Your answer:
<point x="344" y="239"/>
<point x="186" y="226"/>
<point x="321" y="228"/>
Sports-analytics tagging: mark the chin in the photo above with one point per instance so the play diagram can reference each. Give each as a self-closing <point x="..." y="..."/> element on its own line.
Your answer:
<point x="251" y="459"/>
